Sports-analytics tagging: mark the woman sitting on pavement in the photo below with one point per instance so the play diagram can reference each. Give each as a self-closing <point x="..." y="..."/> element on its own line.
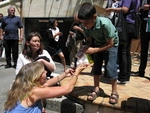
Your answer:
<point x="31" y="86"/>
<point x="33" y="50"/>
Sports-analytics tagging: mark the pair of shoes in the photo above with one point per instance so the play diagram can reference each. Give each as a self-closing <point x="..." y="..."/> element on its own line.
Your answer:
<point x="93" y="95"/>
<point x="121" y="82"/>
<point x="113" y="99"/>
<point x="8" y="66"/>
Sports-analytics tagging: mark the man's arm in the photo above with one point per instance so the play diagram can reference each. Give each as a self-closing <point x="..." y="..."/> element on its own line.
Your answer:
<point x="79" y="29"/>
<point x="92" y="50"/>
<point x="21" y="34"/>
<point x="1" y="34"/>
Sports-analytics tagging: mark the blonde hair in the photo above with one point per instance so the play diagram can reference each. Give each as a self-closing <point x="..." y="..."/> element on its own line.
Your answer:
<point x="27" y="78"/>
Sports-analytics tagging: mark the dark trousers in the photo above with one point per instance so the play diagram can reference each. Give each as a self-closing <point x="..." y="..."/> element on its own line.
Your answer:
<point x="11" y="46"/>
<point x="145" y="38"/>
<point x="124" y="61"/>
<point x="124" y="56"/>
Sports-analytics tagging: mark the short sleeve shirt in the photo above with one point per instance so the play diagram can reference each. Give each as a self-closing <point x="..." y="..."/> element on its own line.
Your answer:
<point x="55" y="31"/>
<point x="133" y="6"/>
<point x="10" y="26"/>
<point x="102" y="31"/>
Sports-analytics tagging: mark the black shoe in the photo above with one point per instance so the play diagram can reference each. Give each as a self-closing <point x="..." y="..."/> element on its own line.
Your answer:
<point x="134" y="73"/>
<point x="121" y="82"/>
<point x="14" y="66"/>
<point x="138" y="73"/>
<point x="141" y="74"/>
<point x="8" y="66"/>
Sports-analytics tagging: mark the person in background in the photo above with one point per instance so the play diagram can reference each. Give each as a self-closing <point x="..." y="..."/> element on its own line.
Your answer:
<point x="129" y="9"/>
<point x="53" y="46"/>
<point x="31" y="87"/>
<point x="1" y="42"/>
<point x="76" y="32"/>
<point x="10" y="26"/>
<point x="144" y="37"/>
<point x="33" y="51"/>
<point x="105" y="48"/>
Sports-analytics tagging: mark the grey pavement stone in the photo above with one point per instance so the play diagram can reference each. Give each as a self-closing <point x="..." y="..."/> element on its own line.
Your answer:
<point x="64" y="105"/>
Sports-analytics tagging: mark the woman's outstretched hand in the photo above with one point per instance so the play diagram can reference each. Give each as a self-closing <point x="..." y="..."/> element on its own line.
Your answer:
<point x="80" y="68"/>
<point x="70" y="72"/>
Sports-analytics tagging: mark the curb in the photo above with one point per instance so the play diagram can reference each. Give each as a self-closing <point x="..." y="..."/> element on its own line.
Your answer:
<point x="63" y="105"/>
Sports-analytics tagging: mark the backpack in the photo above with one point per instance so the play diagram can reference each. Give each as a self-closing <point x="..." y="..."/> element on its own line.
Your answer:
<point x="121" y="26"/>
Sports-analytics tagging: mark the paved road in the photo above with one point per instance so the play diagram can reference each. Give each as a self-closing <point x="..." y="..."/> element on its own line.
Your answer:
<point x="8" y="75"/>
<point x="6" y="78"/>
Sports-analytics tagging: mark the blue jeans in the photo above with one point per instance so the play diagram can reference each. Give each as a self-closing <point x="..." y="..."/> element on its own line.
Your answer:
<point x="110" y="58"/>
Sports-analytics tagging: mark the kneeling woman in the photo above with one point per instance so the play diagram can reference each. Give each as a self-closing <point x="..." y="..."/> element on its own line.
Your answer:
<point x="31" y="86"/>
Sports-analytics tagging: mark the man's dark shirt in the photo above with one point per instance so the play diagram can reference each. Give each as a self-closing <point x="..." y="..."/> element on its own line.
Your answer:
<point x="10" y="26"/>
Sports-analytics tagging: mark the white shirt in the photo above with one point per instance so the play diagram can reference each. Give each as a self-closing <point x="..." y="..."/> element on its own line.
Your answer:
<point x="54" y="31"/>
<point x="23" y="60"/>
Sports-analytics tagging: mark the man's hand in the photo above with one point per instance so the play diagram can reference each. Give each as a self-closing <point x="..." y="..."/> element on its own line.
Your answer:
<point x="1" y="37"/>
<point x="21" y="38"/>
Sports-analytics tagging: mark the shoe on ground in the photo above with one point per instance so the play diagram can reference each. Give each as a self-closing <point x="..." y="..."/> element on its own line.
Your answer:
<point x="134" y="73"/>
<point x="8" y="66"/>
<point x="14" y="66"/>
<point x="121" y="82"/>
<point x="137" y="74"/>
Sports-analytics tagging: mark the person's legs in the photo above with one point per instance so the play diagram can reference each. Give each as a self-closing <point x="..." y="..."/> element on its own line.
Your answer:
<point x="15" y="52"/>
<point x="111" y="69"/>
<point x="62" y="57"/>
<point x="1" y="47"/>
<point x="96" y="82"/>
<point x="98" y="61"/>
<point x="122" y="62"/>
<point x="145" y="37"/>
<point x="114" y="86"/>
<point x="114" y="95"/>
<point x="129" y="62"/>
<point x="8" y="53"/>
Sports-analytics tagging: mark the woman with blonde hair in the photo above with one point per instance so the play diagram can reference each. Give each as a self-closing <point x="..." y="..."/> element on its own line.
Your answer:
<point x="31" y="86"/>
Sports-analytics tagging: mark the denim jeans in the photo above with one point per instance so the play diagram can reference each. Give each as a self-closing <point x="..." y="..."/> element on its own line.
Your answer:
<point x="110" y="58"/>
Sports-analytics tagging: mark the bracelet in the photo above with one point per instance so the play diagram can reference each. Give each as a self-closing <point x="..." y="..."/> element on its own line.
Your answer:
<point x="58" y="80"/>
<point x="75" y="76"/>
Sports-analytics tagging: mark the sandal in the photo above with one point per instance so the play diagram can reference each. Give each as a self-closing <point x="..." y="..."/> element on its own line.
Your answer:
<point x="93" y="94"/>
<point x="113" y="98"/>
